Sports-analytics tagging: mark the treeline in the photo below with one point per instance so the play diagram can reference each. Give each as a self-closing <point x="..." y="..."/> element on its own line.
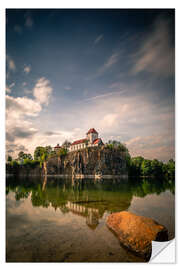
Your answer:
<point x="41" y="155"/>
<point x="140" y="166"/>
<point x="136" y="166"/>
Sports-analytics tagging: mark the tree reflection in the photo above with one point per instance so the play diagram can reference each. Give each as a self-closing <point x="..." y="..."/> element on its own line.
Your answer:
<point x="86" y="197"/>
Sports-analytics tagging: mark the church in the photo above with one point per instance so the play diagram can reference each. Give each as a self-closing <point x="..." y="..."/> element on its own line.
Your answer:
<point x="91" y="140"/>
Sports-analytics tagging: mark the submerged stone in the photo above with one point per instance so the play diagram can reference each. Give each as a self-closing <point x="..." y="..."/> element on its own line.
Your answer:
<point x="136" y="232"/>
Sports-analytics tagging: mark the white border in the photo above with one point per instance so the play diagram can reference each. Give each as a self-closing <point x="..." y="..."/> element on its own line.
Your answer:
<point x="74" y="4"/>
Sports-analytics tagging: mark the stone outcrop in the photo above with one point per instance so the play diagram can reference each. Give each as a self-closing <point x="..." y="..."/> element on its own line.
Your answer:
<point x="89" y="161"/>
<point x="136" y="232"/>
<point x="92" y="161"/>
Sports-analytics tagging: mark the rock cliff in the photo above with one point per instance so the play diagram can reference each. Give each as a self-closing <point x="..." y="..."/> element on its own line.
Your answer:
<point x="96" y="161"/>
<point x="89" y="161"/>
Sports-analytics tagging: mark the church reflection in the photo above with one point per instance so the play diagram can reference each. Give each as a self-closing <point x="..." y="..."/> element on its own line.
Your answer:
<point x="92" y="215"/>
<point x="88" y="199"/>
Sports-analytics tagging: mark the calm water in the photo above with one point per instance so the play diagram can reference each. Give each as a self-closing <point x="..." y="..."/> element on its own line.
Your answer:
<point x="55" y="220"/>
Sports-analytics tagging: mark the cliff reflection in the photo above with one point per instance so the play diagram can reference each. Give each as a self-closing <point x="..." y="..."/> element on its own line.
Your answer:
<point x="87" y="198"/>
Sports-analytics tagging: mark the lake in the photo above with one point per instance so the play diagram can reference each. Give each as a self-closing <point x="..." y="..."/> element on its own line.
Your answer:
<point x="58" y="220"/>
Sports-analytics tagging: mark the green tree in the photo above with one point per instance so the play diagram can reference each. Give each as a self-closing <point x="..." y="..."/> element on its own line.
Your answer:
<point x="136" y="163"/>
<point x="48" y="149"/>
<point x="9" y="159"/>
<point x="156" y="167"/>
<point x="21" y="155"/>
<point x="66" y="144"/>
<point x="38" y="152"/>
<point x="171" y="168"/>
<point x="118" y="145"/>
<point x="146" y="167"/>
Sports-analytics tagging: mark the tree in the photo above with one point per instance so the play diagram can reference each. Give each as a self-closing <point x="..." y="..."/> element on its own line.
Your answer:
<point x="9" y="159"/>
<point x="136" y="163"/>
<point x="38" y="152"/>
<point x="171" y="168"/>
<point x="146" y="167"/>
<point x="22" y="156"/>
<point x="66" y="144"/>
<point x="29" y="156"/>
<point x="156" y="167"/>
<point x="48" y="149"/>
<point x="118" y="145"/>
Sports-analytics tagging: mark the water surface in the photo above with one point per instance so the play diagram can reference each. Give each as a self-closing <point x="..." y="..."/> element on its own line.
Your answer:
<point x="56" y="220"/>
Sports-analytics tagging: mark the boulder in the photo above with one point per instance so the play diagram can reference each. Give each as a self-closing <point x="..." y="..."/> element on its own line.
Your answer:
<point x="136" y="232"/>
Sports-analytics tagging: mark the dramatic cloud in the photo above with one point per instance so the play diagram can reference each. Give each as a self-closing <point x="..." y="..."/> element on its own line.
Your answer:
<point x="156" y="54"/>
<point x="98" y="39"/>
<point x="21" y="106"/>
<point x="27" y="69"/>
<point x="123" y="87"/>
<point x="42" y="91"/>
<point x="20" y="112"/>
<point x="134" y="120"/>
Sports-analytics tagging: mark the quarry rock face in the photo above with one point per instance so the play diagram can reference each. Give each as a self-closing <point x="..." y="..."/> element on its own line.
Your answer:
<point x="85" y="162"/>
<point x="89" y="161"/>
<point x="136" y="232"/>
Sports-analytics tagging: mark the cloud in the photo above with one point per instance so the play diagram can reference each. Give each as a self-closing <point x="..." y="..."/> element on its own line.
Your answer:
<point x="109" y="63"/>
<point x="42" y="91"/>
<point x="27" y="69"/>
<point x="110" y="119"/>
<point x="156" y="55"/>
<point x="11" y="148"/>
<point x="99" y="96"/>
<point x="18" y="29"/>
<point x="27" y="92"/>
<point x="68" y="88"/>
<point x="155" y="146"/>
<point x="19" y="126"/>
<point x="51" y="133"/>
<point x="8" y="88"/>
<point x="20" y="132"/>
<point x="10" y="63"/>
<point x="20" y="112"/>
<point x="98" y="39"/>
<point x="22" y="106"/>
<point x="135" y="120"/>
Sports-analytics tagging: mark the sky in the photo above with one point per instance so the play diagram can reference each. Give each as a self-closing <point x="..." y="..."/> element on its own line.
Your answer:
<point x="71" y="70"/>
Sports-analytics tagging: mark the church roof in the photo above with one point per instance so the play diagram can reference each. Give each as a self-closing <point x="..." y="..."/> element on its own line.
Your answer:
<point x="79" y="141"/>
<point x="57" y="146"/>
<point x="97" y="140"/>
<point x="92" y="130"/>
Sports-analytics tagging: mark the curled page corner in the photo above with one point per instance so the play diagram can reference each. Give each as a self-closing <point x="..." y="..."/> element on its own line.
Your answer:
<point x="163" y="252"/>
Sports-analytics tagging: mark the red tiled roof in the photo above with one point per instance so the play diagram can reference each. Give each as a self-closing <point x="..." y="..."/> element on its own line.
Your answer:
<point x="92" y="130"/>
<point x="57" y="146"/>
<point x="79" y="141"/>
<point x="96" y="141"/>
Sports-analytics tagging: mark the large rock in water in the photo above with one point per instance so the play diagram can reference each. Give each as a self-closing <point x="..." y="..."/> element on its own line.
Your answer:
<point x="136" y="232"/>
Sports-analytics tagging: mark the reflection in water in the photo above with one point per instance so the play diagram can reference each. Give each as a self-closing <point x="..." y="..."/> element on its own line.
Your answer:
<point x="75" y="213"/>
